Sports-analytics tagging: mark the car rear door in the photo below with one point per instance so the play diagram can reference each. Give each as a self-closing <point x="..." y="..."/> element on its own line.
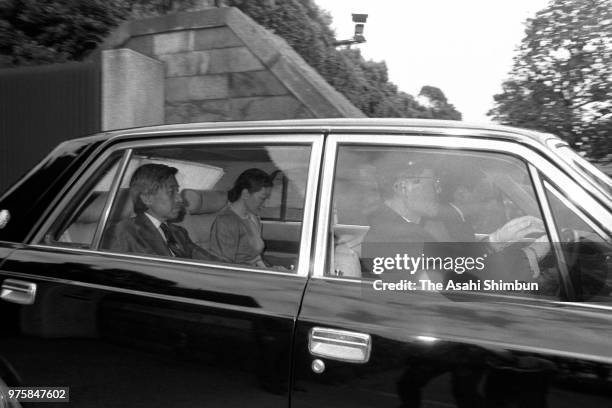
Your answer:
<point x="359" y="347"/>
<point x="124" y="329"/>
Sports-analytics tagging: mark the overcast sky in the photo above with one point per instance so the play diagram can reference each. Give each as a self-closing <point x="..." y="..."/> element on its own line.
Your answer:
<point x="465" y="48"/>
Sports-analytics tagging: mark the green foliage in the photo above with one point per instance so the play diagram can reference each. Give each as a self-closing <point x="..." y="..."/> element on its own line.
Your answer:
<point x="561" y="81"/>
<point x="438" y="103"/>
<point x="36" y="32"/>
<point x="46" y="31"/>
<point x="307" y="29"/>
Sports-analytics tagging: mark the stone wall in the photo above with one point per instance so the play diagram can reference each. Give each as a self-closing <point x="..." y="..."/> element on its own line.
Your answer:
<point x="219" y="65"/>
<point x="212" y="76"/>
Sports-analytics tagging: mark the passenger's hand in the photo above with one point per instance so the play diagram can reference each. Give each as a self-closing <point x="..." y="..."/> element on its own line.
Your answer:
<point x="535" y="253"/>
<point x="515" y="230"/>
<point x="540" y="247"/>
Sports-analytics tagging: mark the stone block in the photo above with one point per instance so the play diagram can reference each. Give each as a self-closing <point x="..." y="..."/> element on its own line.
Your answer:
<point x="209" y="111"/>
<point x="169" y="43"/>
<point x="179" y="113"/>
<point x="215" y="37"/>
<point x="185" y="63"/>
<point x="255" y="83"/>
<point x="210" y="62"/>
<point x="220" y="108"/>
<point x="237" y="59"/>
<point x="197" y="88"/>
<point x="271" y="107"/>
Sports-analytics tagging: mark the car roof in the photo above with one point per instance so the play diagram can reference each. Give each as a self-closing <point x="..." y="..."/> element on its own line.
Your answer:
<point x="332" y="125"/>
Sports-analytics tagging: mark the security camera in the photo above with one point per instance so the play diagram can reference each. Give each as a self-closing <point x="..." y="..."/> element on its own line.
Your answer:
<point x="359" y="18"/>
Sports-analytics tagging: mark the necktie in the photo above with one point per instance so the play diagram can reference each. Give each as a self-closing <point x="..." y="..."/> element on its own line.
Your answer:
<point x="173" y="245"/>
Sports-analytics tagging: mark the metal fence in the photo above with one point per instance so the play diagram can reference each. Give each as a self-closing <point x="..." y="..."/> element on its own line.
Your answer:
<point x="42" y="106"/>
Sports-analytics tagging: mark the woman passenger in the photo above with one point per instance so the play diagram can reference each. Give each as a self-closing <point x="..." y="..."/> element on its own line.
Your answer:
<point x="236" y="232"/>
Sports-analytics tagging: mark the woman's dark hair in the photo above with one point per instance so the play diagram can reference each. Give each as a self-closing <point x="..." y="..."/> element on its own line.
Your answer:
<point x="252" y="179"/>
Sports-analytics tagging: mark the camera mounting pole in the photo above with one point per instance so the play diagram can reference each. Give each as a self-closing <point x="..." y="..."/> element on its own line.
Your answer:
<point x="358" y="38"/>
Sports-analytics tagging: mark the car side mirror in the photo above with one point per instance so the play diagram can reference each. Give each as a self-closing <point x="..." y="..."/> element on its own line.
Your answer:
<point x="590" y="264"/>
<point x="5" y="217"/>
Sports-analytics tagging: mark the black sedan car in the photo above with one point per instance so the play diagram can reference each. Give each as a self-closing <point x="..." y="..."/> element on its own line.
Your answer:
<point x="375" y="263"/>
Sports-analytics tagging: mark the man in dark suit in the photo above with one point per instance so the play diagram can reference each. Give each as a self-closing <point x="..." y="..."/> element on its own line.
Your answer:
<point x="157" y="202"/>
<point x="409" y="189"/>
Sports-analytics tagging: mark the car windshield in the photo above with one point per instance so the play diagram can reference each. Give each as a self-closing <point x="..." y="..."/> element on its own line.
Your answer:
<point x="586" y="169"/>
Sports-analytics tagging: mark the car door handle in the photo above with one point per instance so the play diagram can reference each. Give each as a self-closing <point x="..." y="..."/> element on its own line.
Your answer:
<point x="18" y="291"/>
<point x="340" y="345"/>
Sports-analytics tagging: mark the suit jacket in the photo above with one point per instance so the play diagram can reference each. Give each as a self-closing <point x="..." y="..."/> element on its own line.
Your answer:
<point x="458" y="228"/>
<point x="139" y="235"/>
<point x="390" y="235"/>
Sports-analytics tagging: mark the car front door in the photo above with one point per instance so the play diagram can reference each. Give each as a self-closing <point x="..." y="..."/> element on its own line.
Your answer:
<point x="359" y="344"/>
<point x="142" y="330"/>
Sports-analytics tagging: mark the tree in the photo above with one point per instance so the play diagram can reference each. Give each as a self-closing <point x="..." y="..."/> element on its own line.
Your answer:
<point x="48" y="31"/>
<point x="36" y="32"/>
<point x="561" y="80"/>
<point x="366" y="84"/>
<point x="439" y="105"/>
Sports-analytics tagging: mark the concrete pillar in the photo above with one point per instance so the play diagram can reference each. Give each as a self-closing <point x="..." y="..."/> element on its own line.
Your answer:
<point x="132" y="89"/>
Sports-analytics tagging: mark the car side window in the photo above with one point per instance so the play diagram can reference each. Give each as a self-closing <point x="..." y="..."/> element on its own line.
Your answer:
<point x="235" y="204"/>
<point x="454" y="216"/>
<point x="77" y="224"/>
<point x="286" y="197"/>
<point x="587" y="250"/>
